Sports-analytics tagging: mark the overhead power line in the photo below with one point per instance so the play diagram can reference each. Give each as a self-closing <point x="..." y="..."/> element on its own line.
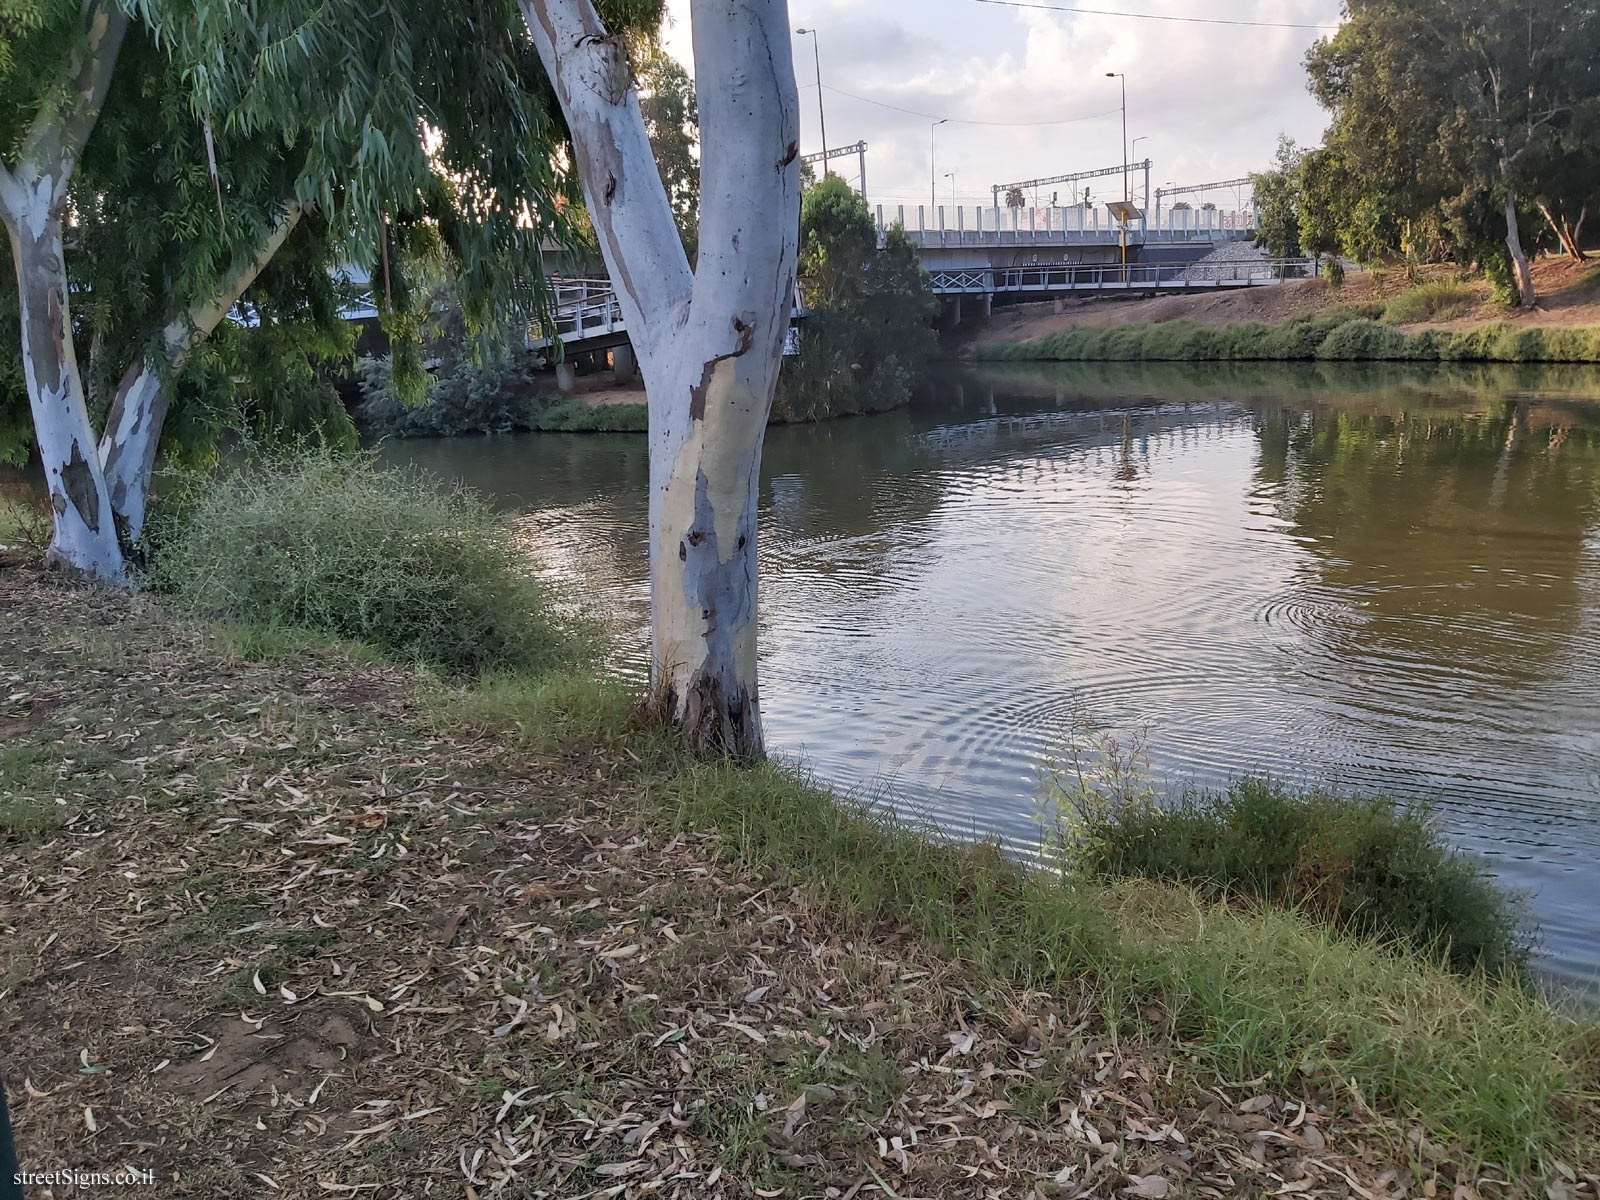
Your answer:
<point x="1101" y="12"/>
<point x="911" y="112"/>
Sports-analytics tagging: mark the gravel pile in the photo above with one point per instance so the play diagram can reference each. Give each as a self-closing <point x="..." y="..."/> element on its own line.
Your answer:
<point x="1224" y="261"/>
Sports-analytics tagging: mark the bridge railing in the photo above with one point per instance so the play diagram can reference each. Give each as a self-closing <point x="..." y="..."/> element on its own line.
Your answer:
<point x="1063" y="277"/>
<point x="984" y="226"/>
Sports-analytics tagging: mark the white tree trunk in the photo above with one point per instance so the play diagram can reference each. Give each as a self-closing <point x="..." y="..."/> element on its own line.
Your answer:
<point x="709" y="343"/>
<point x="33" y="194"/>
<point x="139" y="409"/>
<point x="1518" y="257"/>
<point x="85" y="534"/>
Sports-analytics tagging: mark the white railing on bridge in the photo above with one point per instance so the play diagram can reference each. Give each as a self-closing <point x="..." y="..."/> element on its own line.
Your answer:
<point x="1067" y="277"/>
<point x="985" y="226"/>
<point x="584" y="308"/>
<point x="588" y="308"/>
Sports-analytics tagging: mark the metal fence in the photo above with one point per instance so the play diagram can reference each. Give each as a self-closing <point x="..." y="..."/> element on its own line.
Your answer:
<point x="1066" y="277"/>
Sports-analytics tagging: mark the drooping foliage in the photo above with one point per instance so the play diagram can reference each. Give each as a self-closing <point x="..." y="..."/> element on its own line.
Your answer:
<point x="413" y="137"/>
<point x="869" y="335"/>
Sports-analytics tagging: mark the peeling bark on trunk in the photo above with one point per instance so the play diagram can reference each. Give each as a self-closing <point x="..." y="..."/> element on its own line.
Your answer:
<point x="1518" y="258"/>
<point x="85" y="534"/>
<point x="33" y="194"/>
<point x="709" y="343"/>
<point x="139" y="408"/>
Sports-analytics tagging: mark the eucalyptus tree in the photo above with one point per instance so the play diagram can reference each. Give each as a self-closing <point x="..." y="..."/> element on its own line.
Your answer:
<point x="1460" y="104"/>
<point x="360" y="126"/>
<point x="709" y="339"/>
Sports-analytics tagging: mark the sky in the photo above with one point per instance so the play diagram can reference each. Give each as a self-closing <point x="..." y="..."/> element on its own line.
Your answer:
<point x="1027" y="95"/>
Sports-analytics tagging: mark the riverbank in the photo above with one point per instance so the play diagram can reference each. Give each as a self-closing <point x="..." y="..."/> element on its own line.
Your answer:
<point x="1437" y="303"/>
<point x="306" y="921"/>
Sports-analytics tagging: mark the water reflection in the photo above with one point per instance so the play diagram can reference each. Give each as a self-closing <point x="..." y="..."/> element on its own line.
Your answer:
<point x="1384" y="577"/>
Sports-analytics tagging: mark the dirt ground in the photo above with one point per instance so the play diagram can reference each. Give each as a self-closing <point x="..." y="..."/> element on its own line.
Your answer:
<point x="1569" y="295"/>
<point x="603" y="388"/>
<point x="265" y="931"/>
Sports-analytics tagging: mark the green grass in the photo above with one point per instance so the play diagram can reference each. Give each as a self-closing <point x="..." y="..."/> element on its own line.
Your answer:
<point x="23" y="524"/>
<point x="574" y="416"/>
<point x="1248" y="992"/>
<point x="1356" y="863"/>
<point x="1349" y="334"/>
<point x="1442" y="300"/>
<point x="1244" y="989"/>
<point x="541" y="712"/>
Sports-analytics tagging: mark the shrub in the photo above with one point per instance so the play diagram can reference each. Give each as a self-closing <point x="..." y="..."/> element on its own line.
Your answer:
<point x="1358" y="863"/>
<point x="1369" y="340"/>
<point x="574" y="416"/>
<point x="391" y="558"/>
<point x="1442" y="300"/>
<point x="471" y="399"/>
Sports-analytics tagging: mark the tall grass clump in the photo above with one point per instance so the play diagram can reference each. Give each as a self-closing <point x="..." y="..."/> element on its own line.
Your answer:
<point x="391" y="558"/>
<point x="1441" y="300"/>
<point x="1358" y="864"/>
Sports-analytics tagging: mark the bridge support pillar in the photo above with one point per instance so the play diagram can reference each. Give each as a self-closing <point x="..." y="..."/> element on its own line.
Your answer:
<point x="623" y="363"/>
<point x="988" y="305"/>
<point x="566" y="377"/>
<point x="1058" y="306"/>
<point x="957" y="319"/>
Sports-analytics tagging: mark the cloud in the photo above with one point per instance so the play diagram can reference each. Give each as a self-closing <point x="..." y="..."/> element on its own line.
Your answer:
<point x="1209" y="100"/>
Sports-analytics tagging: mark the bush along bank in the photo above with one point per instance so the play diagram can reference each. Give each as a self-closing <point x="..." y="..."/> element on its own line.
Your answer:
<point x="1358" y="864"/>
<point x="1353" y="335"/>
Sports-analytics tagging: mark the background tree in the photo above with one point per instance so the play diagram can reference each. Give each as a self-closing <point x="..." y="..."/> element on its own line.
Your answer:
<point x="1278" y="202"/>
<point x="869" y="336"/>
<point x="708" y="339"/>
<point x="1447" y="111"/>
<point x="1015" y="198"/>
<point x="666" y="101"/>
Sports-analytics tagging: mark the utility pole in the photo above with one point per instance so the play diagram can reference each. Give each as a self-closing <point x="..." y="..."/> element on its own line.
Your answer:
<point x="822" y="123"/>
<point x="1124" y="79"/>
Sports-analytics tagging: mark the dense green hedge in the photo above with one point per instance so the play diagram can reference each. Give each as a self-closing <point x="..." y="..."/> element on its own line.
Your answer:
<point x="1349" y="334"/>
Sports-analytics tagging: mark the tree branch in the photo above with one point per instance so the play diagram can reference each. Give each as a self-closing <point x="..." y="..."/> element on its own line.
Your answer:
<point x="749" y="169"/>
<point x="132" y="433"/>
<point x="58" y="133"/>
<point x="621" y="185"/>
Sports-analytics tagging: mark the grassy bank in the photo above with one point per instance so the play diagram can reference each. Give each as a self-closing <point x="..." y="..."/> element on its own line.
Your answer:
<point x="1353" y="334"/>
<point x="508" y="918"/>
<point x="278" y="909"/>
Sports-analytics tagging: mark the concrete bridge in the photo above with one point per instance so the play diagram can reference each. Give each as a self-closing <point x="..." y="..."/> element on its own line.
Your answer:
<point x="587" y="319"/>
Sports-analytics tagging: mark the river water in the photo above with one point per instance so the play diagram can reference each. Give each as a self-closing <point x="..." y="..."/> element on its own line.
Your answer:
<point x="1381" y="577"/>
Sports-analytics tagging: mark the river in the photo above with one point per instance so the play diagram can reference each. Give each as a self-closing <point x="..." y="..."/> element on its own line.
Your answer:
<point x="1380" y="577"/>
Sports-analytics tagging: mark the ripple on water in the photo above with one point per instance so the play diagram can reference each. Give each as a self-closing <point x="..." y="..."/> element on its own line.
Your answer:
<point x="937" y="622"/>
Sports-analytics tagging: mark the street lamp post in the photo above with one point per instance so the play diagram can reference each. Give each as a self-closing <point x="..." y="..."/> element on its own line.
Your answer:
<point x="1134" y="150"/>
<point x="933" y="185"/>
<point x="1124" y="79"/>
<point x="951" y="176"/>
<point x="822" y="123"/>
